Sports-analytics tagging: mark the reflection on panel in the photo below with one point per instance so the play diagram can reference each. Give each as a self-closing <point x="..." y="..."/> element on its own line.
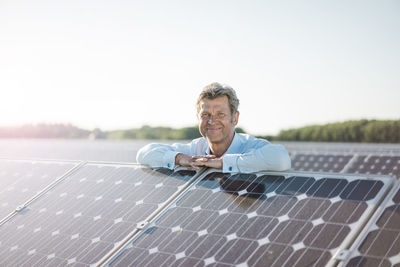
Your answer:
<point x="258" y="219"/>
<point x="320" y="163"/>
<point x="86" y="215"/>
<point x="23" y="179"/>
<point x="380" y="246"/>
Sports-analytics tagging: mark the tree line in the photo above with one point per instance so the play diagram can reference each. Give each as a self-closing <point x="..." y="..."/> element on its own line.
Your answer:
<point x="368" y="131"/>
<point x="44" y="131"/>
<point x="364" y="131"/>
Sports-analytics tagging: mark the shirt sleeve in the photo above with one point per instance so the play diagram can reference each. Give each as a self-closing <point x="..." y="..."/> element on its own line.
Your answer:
<point x="270" y="157"/>
<point x="161" y="155"/>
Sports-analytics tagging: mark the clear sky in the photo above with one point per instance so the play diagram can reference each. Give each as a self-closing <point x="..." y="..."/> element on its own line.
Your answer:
<point x="120" y="64"/>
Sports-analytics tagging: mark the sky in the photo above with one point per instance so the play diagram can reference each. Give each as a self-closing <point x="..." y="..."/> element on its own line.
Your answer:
<point x="121" y="64"/>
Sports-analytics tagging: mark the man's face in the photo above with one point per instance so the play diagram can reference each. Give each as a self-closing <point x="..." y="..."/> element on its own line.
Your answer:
<point x="216" y="122"/>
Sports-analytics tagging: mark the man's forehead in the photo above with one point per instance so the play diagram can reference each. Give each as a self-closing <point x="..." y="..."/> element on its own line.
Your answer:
<point x="219" y="102"/>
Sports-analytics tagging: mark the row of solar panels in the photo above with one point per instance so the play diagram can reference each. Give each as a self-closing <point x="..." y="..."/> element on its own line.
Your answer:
<point x="343" y="148"/>
<point x="343" y="163"/>
<point x="80" y="214"/>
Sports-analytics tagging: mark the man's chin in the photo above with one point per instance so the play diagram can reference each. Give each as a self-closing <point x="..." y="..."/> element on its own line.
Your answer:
<point x="213" y="139"/>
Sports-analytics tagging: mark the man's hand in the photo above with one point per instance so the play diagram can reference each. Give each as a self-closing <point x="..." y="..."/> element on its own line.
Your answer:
<point x="198" y="161"/>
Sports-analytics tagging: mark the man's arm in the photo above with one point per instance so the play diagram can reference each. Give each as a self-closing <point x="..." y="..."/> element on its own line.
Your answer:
<point x="264" y="156"/>
<point x="161" y="155"/>
<point x="270" y="157"/>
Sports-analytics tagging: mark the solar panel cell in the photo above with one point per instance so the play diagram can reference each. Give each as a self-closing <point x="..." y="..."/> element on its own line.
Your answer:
<point x="327" y="188"/>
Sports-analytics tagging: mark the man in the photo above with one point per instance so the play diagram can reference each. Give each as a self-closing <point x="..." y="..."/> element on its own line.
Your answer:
<point x="220" y="147"/>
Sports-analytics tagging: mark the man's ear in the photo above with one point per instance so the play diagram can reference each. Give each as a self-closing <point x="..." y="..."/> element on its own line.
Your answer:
<point x="235" y="118"/>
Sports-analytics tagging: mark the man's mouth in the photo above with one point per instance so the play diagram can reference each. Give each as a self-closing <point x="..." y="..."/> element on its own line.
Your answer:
<point x="214" y="129"/>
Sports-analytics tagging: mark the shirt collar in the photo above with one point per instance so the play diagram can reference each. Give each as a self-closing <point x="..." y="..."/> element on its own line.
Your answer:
<point x="232" y="149"/>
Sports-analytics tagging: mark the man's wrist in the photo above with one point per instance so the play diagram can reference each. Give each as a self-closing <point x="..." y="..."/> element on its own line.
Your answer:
<point x="178" y="158"/>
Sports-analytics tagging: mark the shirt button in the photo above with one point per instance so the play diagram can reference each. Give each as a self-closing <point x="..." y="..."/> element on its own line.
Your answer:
<point x="230" y="168"/>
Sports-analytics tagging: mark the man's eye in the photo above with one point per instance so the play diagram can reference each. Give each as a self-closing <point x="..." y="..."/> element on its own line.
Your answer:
<point x="221" y="115"/>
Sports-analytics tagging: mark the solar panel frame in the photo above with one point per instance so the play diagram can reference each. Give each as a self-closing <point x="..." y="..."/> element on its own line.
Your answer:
<point x="59" y="239"/>
<point x="354" y="251"/>
<point x="345" y="244"/>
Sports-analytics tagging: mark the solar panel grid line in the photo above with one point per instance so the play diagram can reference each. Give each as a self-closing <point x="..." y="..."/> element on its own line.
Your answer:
<point x="375" y="250"/>
<point x="234" y="239"/>
<point x="142" y="225"/>
<point x="20" y="207"/>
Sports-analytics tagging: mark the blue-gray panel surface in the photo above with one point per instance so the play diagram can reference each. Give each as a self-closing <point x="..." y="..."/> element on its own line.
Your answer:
<point x="320" y="162"/>
<point x="86" y="215"/>
<point x="20" y="180"/>
<point x="380" y="245"/>
<point x="257" y="220"/>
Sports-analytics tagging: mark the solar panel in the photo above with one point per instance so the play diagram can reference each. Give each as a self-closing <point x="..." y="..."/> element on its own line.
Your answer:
<point x="87" y="214"/>
<point x="379" y="244"/>
<point x="320" y="162"/>
<point x="334" y="147"/>
<point x="377" y="164"/>
<point x="262" y="219"/>
<point x="21" y="180"/>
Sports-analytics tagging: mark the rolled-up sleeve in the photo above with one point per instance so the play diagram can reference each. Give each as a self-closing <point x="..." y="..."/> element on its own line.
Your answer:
<point x="160" y="155"/>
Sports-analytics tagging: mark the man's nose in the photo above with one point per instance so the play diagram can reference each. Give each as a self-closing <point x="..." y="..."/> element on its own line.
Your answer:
<point x="212" y="118"/>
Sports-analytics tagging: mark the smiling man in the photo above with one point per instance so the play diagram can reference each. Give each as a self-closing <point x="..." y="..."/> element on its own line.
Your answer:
<point x="220" y="146"/>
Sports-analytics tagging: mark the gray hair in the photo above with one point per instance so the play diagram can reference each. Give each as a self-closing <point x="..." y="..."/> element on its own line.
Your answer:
<point x="215" y="90"/>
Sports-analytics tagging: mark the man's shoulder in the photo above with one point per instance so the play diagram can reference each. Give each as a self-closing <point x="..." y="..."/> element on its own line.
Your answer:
<point x="248" y="138"/>
<point x="247" y="141"/>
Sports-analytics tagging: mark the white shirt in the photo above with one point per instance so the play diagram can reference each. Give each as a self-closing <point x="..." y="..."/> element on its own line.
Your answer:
<point x="245" y="154"/>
